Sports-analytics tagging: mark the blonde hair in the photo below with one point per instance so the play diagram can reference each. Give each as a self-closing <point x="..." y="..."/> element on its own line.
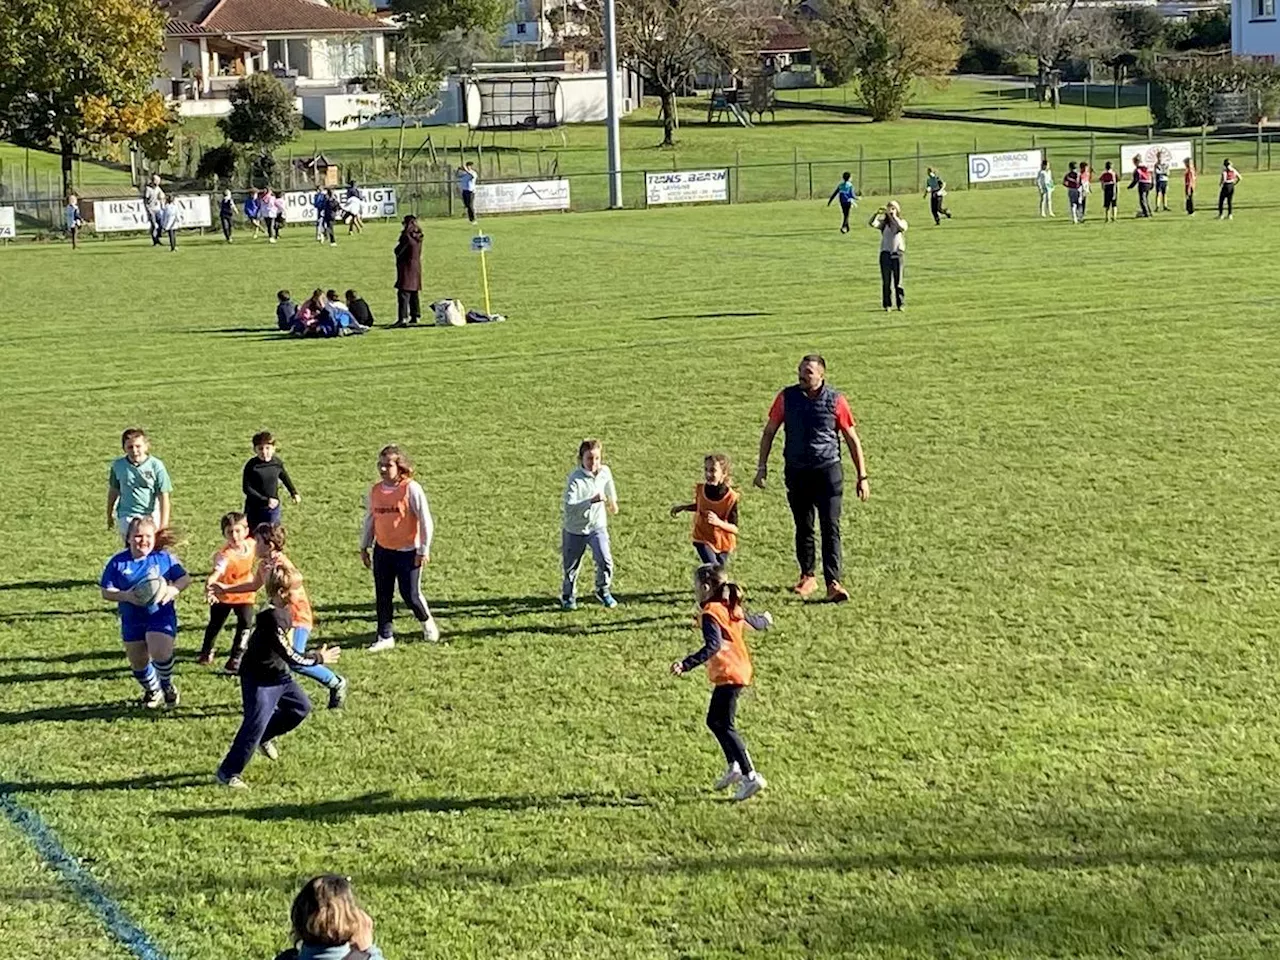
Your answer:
<point x="325" y="912"/>
<point x="404" y="466"/>
<point x="165" y="538"/>
<point x="284" y="581"/>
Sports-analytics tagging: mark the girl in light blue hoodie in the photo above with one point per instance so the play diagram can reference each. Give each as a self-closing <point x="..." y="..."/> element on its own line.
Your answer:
<point x="328" y="924"/>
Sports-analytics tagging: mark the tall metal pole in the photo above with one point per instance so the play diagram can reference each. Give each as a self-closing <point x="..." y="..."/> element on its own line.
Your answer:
<point x="611" y="90"/>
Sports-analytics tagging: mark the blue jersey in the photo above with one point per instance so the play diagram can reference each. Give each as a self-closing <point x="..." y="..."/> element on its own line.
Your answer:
<point x="124" y="572"/>
<point x="845" y="190"/>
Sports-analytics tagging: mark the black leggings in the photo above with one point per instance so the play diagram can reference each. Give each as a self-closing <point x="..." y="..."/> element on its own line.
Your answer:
<point x="469" y="201"/>
<point x="720" y="717"/>
<point x="1225" y="196"/>
<point x="392" y="568"/>
<point x="891" y="265"/>
<point x="218" y="614"/>
<point x="226" y="227"/>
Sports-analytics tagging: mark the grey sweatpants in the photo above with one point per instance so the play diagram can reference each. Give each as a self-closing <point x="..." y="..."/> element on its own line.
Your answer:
<point x="572" y="548"/>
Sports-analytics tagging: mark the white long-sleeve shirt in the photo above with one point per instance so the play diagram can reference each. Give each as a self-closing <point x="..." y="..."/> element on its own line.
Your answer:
<point x="580" y="514"/>
<point x="421" y="510"/>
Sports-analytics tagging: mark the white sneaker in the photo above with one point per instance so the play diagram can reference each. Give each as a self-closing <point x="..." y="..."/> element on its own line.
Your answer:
<point x="382" y="643"/>
<point x="234" y="782"/>
<point x="269" y="750"/>
<point x="731" y="776"/>
<point x="749" y="787"/>
<point x="430" y="631"/>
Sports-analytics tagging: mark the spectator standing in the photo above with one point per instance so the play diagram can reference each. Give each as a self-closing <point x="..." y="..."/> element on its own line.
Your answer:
<point x="409" y="273"/>
<point x="893" y="254"/>
<point x="467" y="178"/>
<point x="73" y="220"/>
<point x="814" y="417"/>
<point x="153" y="202"/>
<point x="1227" y="191"/>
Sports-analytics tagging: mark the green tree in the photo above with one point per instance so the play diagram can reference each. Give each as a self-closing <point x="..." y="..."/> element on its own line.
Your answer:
<point x="891" y="43"/>
<point x="429" y="21"/>
<point x="1141" y="28"/>
<point x="76" y="72"/>
<point x="408" y="99"/>
<point x="263" y="116"/>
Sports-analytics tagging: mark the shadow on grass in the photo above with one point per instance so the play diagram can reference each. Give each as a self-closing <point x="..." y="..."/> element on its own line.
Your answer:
<point x="164" y="781"/>
<point x="713" y="316"/>
<point x="495" y="606"/>
<point x="53" y="676"/>
<point x="23" y="616"/>
<point x="79" y="657"/>
<point x="381" y="804"/>
<point x="565" y="628"/>
<point x="48" y="585"/>
<point x="122" y="710"/>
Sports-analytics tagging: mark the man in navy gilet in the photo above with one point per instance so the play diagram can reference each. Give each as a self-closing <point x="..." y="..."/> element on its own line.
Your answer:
<point x="814" y="417"/>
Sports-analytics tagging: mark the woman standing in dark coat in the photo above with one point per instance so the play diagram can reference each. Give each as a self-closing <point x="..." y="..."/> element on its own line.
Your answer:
<point x="409" y="273"/>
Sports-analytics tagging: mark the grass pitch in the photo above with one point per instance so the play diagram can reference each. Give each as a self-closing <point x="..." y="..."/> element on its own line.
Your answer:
<point x="1044" y="727"/>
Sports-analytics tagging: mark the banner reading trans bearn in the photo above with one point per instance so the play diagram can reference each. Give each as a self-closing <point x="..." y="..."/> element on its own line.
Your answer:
<point x="1013" y="165"/>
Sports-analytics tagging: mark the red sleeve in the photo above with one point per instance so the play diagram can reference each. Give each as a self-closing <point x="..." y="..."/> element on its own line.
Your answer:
<point x="776" y="411"/>
<point x="844" y="416"/>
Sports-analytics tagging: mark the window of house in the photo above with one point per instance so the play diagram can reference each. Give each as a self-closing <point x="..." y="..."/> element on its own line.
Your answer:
<point x="277" y="53"/>
<point x="299" y="57"/>
<point x="522" y="28"/>
<point x="1264" y="9"/>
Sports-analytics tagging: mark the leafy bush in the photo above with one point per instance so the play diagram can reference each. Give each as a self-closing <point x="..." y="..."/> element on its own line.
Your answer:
<point x="1206" y="30"/>
<point x="982" y="56"/>
<point x="1182" y="91"/>
<point x="218" y="163"/>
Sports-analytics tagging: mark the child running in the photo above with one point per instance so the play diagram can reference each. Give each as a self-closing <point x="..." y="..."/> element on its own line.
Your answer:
<point x="233" y="563"/>
<point x="1110" y="199"/>
<point x="935" y="188"/>
<point x="398" y="530"/>
<point x="145" y="580"/>
<point x="137" y="486"/>
<point x="263" y="473"/>
<point x="848" y="198"/>
<point x="269" y="541"/>
<point x="1044" y="184"/>
<point x="724" y="651"/>
<point x="589" y="496"/>
<point x="274" y="704"/>
<point x="715" y="512"/>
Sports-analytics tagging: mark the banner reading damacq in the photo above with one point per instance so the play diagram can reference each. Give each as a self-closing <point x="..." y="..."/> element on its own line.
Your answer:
<point x="519" y="196"/>
<point x="1175" y="154"/>
<point x="1014" y="165"/>
<point x="686" y="186"/>
<point x="118" y="216"/>
<point x="8" y="230"/>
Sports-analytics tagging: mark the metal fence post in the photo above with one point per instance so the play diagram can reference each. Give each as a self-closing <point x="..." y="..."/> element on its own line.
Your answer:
<point x="917" y="164"/>
<point x="1257" y="150"/>
<point x="795" y="173"/>
<point x="737" y="175"/>
<point x="862" y="180"/>
<point x="811" y="169"/>
<point x="890" y="162"/>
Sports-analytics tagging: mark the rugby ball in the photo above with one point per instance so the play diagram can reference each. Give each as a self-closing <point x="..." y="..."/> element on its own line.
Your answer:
<point x="148" y="591"/>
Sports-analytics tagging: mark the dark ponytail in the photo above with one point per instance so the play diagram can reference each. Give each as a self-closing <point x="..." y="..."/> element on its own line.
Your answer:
<point x="721" y="589"/>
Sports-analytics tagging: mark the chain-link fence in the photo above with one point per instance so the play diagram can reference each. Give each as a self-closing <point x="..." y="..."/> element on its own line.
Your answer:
<point x="431" y="191"/>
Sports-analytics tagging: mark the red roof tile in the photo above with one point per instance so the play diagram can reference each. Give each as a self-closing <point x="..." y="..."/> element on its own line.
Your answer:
<point x="287" y="16"/>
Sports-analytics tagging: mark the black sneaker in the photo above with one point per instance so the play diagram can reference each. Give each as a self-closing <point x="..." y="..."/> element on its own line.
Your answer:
<point x="232" y="666"/>
<point x="171" y="698"/>
<point x="338" y="694"/>
<point x="152" y="700"/>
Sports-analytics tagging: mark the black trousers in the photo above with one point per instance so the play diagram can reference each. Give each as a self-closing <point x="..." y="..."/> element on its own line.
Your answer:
<point x="226" y="228"/>
<point x="1144" y="199"/>
<point x="891" y="266"/>
<point x="328" y="231"/>
<point x="408" y="306"/>
<point x="845" y="207"/>
<point x="720" y="717"/>
<point x="936" y="208"/>
<point x="817" y="490"/>
<point x="1191" y="200"/>
<point x="469" y="201"/>
<point x="218" y="614"/>
<point x="392" y="568"/>
<point x="1225" y="196"/>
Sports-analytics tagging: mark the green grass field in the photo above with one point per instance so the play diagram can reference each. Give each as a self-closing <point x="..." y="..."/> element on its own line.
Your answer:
<point x="1045" y="726"/>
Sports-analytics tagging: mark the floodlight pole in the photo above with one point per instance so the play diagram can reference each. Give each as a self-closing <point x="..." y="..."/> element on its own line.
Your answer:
<point x="611" y="91"/>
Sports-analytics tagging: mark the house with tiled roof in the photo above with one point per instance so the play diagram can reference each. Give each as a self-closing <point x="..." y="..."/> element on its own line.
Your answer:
<point x="316" y="49"/>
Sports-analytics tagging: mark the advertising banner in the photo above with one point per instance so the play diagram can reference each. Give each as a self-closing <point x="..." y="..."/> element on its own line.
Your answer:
<point x="1175" y="154"/>
<point x="1012" y="165"/>
<point x="686" y="186"/>
<point x="521" y="196"/>
<point x="118" y="216"/>
<point x="7" y="229"/>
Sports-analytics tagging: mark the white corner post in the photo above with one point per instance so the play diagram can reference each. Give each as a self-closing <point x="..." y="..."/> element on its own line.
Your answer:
<point x="612" y="92"/>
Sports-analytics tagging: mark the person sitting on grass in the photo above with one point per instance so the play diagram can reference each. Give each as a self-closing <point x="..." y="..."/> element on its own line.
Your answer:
<point x="359" y="309"/>
<point x="286" y="310"/>
<point x="328" y="924"/>
<point x="342" y="315"/>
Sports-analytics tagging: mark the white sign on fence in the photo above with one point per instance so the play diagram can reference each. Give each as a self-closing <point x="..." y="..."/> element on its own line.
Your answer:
<point x="379" y="202"/>
<point x="686" y="186"/>
<point x="1175" y="154"/>
<point x="1014" y="165"/>
<point x="116" y="216"/>
<point x="8" y="230"/>
<point x="522" y="195"/>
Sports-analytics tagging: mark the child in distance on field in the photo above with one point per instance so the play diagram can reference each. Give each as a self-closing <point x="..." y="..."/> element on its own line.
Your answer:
<point x="286" y="310"/>
<point x="253" y="211"/>
<point x="170" y="219"/>
<point x="1086" y="185"/>
<point x="724" y="621"/>
<point x="715" y="512"/>
<point x="137" y="486"/>
<point x="848" y="198"/>
<point x="1045" y="184"/>
<point x="1160" y="170"/>
<point x="1142" y="180"/>
<point x="1189" y="185"/>
<point x="1110" y="185"/>
<point x="260" y="480"/>
<point x="359" y="309"/>
<point x="1227" y="188"/>
<point x="467" y="178"/>
<point x="1072" y="182"/>
<point x="144" y="580"/>
<point x="935" y="188"/>
<point x="73" y="220"/>
<point x="274" y="704"/>
<point x="589" y="496"/>
<point x="232" y="563"/>
<point x="397" y="532"/>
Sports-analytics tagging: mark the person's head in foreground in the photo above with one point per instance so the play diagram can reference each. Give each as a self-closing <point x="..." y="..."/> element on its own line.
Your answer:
<point x="813" y="371"/>
<point x="590" y="456"/>
<point x="325" y="915"/>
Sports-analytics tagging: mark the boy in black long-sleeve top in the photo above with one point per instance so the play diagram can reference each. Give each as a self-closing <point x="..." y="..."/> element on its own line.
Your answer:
<point x="263" y="475"/>
<point x="359" y="309"/>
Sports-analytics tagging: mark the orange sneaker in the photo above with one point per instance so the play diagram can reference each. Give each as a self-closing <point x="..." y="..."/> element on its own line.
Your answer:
<point x="836" y="593"/>
<point x="806" y="586"/>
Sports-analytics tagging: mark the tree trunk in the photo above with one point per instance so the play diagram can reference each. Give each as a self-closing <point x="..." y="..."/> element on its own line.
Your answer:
<point x="668" y="118"/>
<point x="68" y="155"/>
<point x="400" y="148"/>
